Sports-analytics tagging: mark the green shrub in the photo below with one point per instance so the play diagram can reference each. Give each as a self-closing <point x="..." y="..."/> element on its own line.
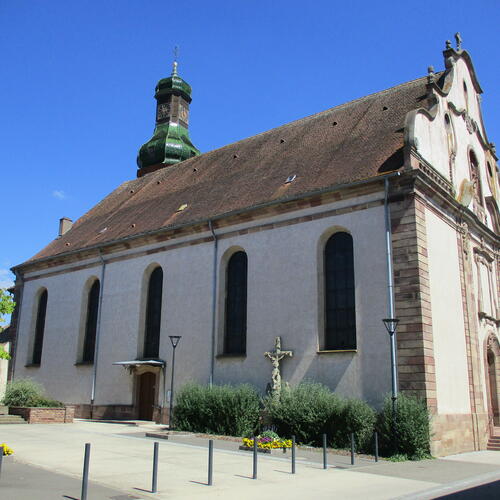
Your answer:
<point x="27" y="392"/>
<point x="225" y="409"/>
<point x="303" y="411"/>
<point x="355" y="417"/>
<point x="412" y="427"/>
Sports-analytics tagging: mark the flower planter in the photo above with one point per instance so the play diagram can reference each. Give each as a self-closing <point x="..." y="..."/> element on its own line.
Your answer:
<point x="260" y="450"/>
<point x="34" y="415"/>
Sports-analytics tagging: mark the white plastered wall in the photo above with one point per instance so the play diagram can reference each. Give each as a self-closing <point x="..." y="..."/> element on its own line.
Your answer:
<point x="283" y="299"/>
<point x="452" y="384"/>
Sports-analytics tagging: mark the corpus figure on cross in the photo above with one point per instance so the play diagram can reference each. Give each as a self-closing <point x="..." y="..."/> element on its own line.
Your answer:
<point x="276" y="356"/>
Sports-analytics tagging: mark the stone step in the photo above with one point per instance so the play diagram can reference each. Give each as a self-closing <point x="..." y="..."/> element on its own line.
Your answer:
<point x="493" y="448"/>
<point x="12" y="419"/>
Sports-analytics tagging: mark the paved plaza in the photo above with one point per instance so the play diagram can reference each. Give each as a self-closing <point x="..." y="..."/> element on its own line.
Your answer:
<point x="48" y="464"/>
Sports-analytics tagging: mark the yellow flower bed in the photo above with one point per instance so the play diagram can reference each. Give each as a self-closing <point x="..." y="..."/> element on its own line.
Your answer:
<point x="268" y="444"/>
<point x="6" y="449"/>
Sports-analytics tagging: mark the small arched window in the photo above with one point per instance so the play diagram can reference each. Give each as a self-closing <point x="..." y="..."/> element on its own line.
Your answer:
<point x="91" y="323"/>
<point x="39" y="328"/>
<point x="475" y="176"/>
<point x="235" y="328"/>
<point x="340" y="310"/>
<point x="153" y="315"/>
<point x="466" y="97"/>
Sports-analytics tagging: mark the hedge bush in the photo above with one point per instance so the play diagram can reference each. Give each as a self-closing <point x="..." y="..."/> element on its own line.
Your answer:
<point x="225" y="409"/>
<point x="304" y="411"/>
<point x="28" y="393"/>
<point x="412" y="428"/>
<point x="355" y="417"/>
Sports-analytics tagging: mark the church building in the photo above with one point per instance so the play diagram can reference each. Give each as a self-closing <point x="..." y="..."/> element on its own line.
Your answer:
<point x="313" y="232"/>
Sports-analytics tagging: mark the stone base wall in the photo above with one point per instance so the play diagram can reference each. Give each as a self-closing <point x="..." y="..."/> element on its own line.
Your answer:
<point x="457" y="433"/>
<point x="117" y="412"/>
<point x="105" y="412"/>
<point x="45" y="415"/>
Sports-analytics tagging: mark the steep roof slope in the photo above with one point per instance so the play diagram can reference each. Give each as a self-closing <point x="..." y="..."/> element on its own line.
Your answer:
<point x="353" y="141"/>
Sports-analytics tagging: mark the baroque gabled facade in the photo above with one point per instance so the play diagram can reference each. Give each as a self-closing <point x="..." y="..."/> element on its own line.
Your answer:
<point x="313" y="232"/>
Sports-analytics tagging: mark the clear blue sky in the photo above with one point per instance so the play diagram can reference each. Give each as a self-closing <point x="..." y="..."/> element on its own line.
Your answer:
<point x="78" y="77"/>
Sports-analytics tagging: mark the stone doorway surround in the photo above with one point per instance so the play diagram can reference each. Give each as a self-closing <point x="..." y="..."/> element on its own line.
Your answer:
<point x="147" y="380"/>
<point x="492" y="375"/>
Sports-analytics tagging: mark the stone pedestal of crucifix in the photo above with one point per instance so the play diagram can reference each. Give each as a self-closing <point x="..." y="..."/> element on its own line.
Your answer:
<point x="276" y="356"/>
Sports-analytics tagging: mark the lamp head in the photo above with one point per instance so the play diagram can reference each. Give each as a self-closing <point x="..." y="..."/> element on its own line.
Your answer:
<point x="174" y="339"/>
<point x="391" y="324"/>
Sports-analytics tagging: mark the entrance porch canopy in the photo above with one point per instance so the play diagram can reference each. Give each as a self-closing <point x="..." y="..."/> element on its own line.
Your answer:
<point x="142" y="362"/>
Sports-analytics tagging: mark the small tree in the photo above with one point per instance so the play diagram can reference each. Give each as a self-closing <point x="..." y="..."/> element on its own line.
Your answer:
<point x="6" y="307"/>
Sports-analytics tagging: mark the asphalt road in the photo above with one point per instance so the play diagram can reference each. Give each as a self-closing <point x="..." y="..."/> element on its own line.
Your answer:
<point x="24" y="482"/>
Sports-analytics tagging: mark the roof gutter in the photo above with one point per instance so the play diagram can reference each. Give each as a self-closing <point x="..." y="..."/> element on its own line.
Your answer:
<point x="245" y="210"/>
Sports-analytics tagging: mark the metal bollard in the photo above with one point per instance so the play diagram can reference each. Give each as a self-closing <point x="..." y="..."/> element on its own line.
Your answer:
<point x="293" y="454"/>
<point x="254" y="475"/>
<point x="325" y="464"/>
<point x="352" y="449"/>
<point x="154" y="486"/>
<point x="210" y="461"/>
<point x="85" y="478"/>
<point x="1" y="459"/>
<point x="376" y="446"/>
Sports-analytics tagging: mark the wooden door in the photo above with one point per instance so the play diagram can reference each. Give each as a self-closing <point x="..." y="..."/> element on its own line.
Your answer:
<point x="146" y="395"/>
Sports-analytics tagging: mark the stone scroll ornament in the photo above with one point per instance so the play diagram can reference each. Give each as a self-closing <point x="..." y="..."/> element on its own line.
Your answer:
<point x="276" y="356"/>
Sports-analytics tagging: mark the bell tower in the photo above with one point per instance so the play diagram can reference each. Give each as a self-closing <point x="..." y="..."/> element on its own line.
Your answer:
<point x="170" y="143"/>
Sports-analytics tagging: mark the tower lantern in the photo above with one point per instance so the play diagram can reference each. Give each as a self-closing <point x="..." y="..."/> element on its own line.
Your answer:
<point x="170" y="143"/>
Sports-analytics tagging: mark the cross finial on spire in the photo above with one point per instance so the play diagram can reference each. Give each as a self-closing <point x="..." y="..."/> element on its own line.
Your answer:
<point x="175" y="64"/>
<point x="458" y="39"/>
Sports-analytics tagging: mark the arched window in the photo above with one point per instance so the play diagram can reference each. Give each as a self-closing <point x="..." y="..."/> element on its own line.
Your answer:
<point x="153" y="315"/>
<point x="91" y="323"/>
<point x="340" y="311"/>
<point x="39" y="328"/>
<point x="466" y="97"/>
<point x="235" y="331"/>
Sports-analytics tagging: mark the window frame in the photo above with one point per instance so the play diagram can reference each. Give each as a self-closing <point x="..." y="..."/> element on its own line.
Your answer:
<point x="39" y="330"/>
<point x="235" y="305"/>
<point x="328" y="289"/>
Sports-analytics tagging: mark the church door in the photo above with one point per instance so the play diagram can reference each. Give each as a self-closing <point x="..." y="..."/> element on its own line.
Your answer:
<point x="146" y="395"/>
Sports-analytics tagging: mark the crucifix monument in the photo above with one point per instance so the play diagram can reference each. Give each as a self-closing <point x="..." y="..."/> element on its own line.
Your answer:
<point x="276" y="356"/>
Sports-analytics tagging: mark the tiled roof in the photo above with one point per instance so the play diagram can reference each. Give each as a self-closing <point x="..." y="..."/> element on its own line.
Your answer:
<point x="353" y="141"/>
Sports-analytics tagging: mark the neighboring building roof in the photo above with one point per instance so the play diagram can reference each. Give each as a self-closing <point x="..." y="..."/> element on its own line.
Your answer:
<point x="350" y="142"/>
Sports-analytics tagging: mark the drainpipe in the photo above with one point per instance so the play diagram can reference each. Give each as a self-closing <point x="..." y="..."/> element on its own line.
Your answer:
<point x="97" y="336"/>
<point x="390" y="292"/>
<point x="214" y="304"/>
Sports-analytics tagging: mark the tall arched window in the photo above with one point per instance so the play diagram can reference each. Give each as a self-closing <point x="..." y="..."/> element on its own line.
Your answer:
<point x="235" y="331"/>
<point x="153" y="315"/>
<point x="39" y="328"/>
<point x="91" y="323"/>
<point x="340" y="311"/>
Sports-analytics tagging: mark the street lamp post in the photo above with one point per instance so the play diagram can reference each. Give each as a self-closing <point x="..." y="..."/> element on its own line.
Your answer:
<point x="391" y="325"/>
<point x="175" y="340"/>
